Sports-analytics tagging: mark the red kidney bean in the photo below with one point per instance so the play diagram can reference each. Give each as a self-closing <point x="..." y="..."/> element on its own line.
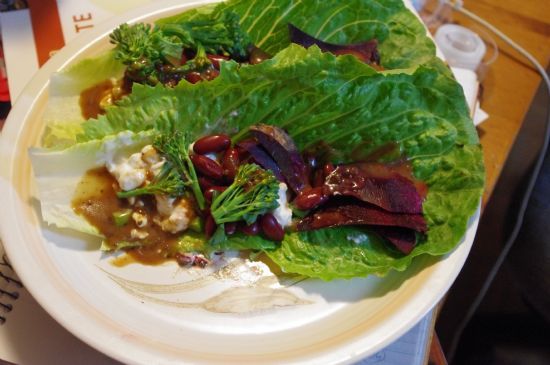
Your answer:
<point x="209" y="226"/>
<point x="207" y="167"/>
<point x="209" y="194"/>
<point x="205" y="183"/>
<point x="200" y="261"/>
<point x="183" y="58"/>
<point x="257" y="55"/>
<point x="230" y="228"/>
<point x="230" y="163"/>
<point x="215" y="59"/>
<point x="210" y="74"/>
<point x="193" y="77"/>
<point x="212" y="143"/>
<point x="271" y="228"/>
<point x="328" y="169"/>
<point x="251" y="229"/>
<point x="310" y="198"/>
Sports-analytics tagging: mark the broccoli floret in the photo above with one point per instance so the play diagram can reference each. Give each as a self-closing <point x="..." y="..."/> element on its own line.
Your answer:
<point x="151" y="54"/>
<point x="253" y="192"/>
<point x="175" y="147"/>
<point x="218" y="34"/>
<point x="142" y="49"/>
<point x="167" y="182"/>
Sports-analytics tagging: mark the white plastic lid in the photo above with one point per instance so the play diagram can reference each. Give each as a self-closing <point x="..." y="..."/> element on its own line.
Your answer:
<point x="461" y="47"/>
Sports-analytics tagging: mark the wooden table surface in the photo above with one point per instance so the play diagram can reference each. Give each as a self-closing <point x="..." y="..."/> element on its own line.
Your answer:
<point x="508" y="84"/>
<point x="511" y="81"/>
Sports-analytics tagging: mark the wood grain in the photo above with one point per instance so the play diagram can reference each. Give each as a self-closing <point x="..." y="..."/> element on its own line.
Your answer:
<point x="508" y="85"/>
<point x="511" y="81"/>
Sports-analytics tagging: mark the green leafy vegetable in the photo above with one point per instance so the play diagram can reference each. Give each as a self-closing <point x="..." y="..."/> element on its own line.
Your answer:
<point x="176" y="149"/>
<point x="143" y="49"/>
<point x="196" y="225"/>
<point x="239" y="241"/>
<point x="322" y="92"/>
<point x="343" y="252"/>
<point x="194" y="242"/>
<point x="254" y="192"/>
<point x="153" y="54"/>
<point x="134" y="43"/>
<point x="167" y="182"/>
<point x="401" y="37"/>
<point x="218" y="33"/>
<point x="400" y="34"/>
<point x="122" y="217"/>
<point x="318" y="97"/>
<point x="346" y="103"/>
<point x="58" y="174"/>
<point x="199" y="63"/>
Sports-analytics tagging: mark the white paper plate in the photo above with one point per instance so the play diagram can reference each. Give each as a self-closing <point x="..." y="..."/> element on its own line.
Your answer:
<point x="336" y="322"/>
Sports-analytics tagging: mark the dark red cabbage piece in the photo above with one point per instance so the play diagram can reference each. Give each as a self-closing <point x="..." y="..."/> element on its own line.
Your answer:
<point x="364" y="51"/>
<point x="403" y="239"/>
<point x="358" y="213"/>
<point x="379" y="186"/>
<point x="283" y="150"/>
<point x="261" y="157"/>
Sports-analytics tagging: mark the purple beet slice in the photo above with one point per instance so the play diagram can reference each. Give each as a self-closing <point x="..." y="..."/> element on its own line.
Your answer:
<point x="403" y="239"/>
<point x="365" y="51"/>
<point x="261" y="157"/>
<point x="360" y="214"/>
<point x="281" y="147"/>
<point x="379" y="186"/>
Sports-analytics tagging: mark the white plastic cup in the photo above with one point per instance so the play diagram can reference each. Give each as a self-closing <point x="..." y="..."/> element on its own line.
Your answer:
<point x="461" y="47"/>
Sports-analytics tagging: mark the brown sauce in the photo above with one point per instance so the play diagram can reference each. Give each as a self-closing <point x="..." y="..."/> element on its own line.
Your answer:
<point x="95" y="199"/>
<point x="94" y="99"/>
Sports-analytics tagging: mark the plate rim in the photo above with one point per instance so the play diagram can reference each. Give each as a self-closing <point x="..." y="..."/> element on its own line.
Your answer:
<point x="21" y="110"/>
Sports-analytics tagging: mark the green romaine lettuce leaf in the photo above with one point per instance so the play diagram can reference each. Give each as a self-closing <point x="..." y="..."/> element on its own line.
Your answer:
<point x="63" y="116"/>
<point x="402" y="41"/>
<point x="193" y="242"/>
<point x="339" y="100"/>
<point x="402" y="38"/>
<point x="341" y="252"/>
<point x="57" y="174"/>
<point x="240" y="241"/>
<point x="312" y="95"/>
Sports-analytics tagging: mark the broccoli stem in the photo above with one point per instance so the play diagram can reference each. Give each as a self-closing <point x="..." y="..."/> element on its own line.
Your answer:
<point x="176" y="149"/>
<point x="167" y="182"/>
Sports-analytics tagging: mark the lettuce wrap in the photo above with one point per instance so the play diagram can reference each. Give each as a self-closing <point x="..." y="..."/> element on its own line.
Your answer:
<point x="316" y="97"/>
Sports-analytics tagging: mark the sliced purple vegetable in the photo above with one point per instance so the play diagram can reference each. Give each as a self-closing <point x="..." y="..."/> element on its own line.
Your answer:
<point x="261" y="157"/>
<point x="283" y="150"/>
<point x="381" y="187"/>
<point x="351" y="213"/>
<point x="403" y="239"/>
<point x="364" y="51"/>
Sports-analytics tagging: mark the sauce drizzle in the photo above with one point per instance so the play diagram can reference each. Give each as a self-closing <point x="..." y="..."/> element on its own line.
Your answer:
<point x="95" y="199"/>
